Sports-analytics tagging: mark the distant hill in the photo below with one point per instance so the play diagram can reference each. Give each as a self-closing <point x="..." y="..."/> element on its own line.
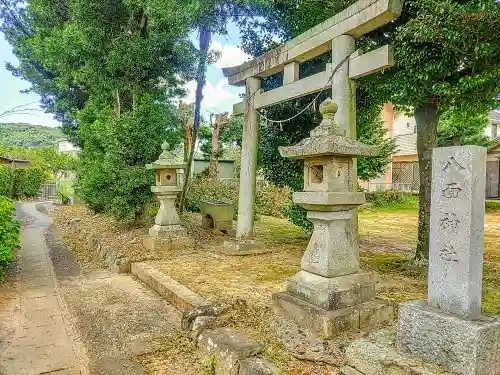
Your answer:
<point x="29" y="136"/>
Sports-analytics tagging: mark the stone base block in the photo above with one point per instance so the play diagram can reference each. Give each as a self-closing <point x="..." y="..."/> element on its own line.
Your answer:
<point x="467" y="347"/>
<point x="160" y="245"/>
<point x="167" y="231"/>
<point x="228" y="348"/>
<point x="220" y="225"/>
<point x="248" y="247"/>
<point x="377" y="355"/>
<point x="333" y="293"/>
<point x="328" y="324"/>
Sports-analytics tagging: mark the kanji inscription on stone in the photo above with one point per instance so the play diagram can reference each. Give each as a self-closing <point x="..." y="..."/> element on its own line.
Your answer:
<point x="456" y="230"/>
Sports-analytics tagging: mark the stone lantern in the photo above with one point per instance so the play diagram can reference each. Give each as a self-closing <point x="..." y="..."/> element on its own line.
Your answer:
<point x="331" y="293"/>
<point x="167" y="233"/>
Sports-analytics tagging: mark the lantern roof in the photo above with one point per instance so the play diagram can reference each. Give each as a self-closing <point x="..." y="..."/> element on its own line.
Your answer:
<point x="166" y="160"/>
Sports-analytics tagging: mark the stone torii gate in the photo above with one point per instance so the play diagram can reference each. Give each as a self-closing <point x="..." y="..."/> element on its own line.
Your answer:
<point x="338" y="35"/>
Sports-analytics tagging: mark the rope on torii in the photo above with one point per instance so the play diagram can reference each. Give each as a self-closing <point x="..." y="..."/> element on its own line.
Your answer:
<point x="313" y="102"/>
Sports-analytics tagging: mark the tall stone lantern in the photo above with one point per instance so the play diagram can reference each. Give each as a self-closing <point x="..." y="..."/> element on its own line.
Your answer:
<point x="167" y="233"/>
<point x="331" y="294"/>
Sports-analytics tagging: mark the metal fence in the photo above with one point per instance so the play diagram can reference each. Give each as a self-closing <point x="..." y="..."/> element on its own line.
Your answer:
<point x="48" y="191"/>
<point x="405" y="176"/>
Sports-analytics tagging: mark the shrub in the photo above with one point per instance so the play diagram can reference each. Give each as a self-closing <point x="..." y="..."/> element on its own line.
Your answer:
<point x="492" y="206"/>
<point x="28" y="181"/>
<point x="9" y="232"/>
<point x="270" y="200"/>
<point x="6" y="177"/>
<point x="392" y="199"/>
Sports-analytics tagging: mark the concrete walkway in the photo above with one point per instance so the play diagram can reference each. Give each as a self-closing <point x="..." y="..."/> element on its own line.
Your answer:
<point x="42" y="339"/>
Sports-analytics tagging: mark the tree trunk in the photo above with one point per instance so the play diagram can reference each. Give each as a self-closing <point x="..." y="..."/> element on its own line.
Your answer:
<point x="220" y="121"/>
<point x="118" y="105"/>
<point x="426" y="116"/>
<point x="205" y="36"/>
<point x="212" y="171"/>
<point x="188" y="140"/>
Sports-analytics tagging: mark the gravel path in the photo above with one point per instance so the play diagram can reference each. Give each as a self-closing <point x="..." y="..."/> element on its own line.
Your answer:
<point x="41" y="339"/>
<point x="60" y="319"/>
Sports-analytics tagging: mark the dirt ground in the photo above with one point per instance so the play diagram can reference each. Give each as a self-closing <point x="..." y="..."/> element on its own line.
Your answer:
<point x="387" y="242"/>
<point x="125" y="327"/>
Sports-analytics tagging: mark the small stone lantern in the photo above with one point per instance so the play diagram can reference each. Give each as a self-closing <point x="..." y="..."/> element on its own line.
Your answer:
<point x="167" y="233"/>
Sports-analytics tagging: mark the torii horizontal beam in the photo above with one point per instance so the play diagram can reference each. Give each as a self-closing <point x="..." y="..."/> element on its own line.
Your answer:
<point x="358" y="19"/>
<point x="359" y="66"/>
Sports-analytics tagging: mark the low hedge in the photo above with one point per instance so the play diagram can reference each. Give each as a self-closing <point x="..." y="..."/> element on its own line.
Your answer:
<point x="392" y="199"/>
<point x="492" y="206"/>
<point x="9" y="232"/>
<point x="6" y="182"/>
<point x="28" y="181"/>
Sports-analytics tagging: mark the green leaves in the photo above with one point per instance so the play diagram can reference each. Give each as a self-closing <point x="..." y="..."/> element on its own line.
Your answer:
<point x="9" y="232"/>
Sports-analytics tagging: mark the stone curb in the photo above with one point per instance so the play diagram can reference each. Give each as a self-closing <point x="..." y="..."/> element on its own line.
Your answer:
<point x="175" y="293"/>
<point x="228" y="353"/>
<point x="114" y="259"/>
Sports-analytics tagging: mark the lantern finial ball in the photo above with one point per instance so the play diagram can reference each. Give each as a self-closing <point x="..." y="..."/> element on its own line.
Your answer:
<point x="328" y="107"/>
<point x="165" y="146"/>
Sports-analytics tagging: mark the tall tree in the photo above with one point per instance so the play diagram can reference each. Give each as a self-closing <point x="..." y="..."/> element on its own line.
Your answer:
<point x="459" y="127"/>
<point x="108" y="69"/>
<point x="211" y="16"/>
<point x="447" y="53"/>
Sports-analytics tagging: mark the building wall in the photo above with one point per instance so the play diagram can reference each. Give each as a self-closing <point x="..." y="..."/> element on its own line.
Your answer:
<point x="225" y="168"/>
<point x="66" y="147"/>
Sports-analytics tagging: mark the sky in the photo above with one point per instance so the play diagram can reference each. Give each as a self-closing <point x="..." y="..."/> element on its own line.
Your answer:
<point x="218" y="95"/>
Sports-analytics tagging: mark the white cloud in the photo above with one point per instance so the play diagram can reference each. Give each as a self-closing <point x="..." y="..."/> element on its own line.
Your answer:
<point x="231" y="55"/>
<point x="214" y="97"/>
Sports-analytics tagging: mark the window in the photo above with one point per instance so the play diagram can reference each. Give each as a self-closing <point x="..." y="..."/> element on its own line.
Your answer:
<point x="494" y="131"/>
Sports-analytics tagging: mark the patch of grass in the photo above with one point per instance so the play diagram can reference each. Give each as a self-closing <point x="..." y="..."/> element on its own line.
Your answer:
<point x="178" y="355"/>
<point x="491" y="300"/>
<point x="492" y="206"/>
<point x="385" y="263"/>
<point x="392" y="201"/>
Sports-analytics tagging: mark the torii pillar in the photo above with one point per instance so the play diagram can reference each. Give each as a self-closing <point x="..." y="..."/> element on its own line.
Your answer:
<point x="337" y="34"/>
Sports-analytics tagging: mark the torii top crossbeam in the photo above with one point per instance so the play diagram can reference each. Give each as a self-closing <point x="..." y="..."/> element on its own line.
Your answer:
<point x="338" y="35"/>
<point x="358" y="19"/>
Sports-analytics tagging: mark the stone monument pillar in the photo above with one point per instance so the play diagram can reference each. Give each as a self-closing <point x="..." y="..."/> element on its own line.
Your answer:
<point x="331" y="294"/>
<point x="448" y="329"/>
<point x="167" y="233"/>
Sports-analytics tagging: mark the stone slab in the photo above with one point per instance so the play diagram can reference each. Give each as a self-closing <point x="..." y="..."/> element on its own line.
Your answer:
<point x="377" y="355"/>
<point x="175" y="293"/>
<point x="167" y="231"/>
<point x="340" y="200"/>
<point x="456" y="230"/>
<point x="332" y="293"/>
<point x="329" y="324"/>
<point x="467" y="347"/>
<point x="248" y="247"/>
<point x="228" y="348"/>
<point x="348" y="370"/>
<point x="159" y="245"/>
<point x="257" y="366"/>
